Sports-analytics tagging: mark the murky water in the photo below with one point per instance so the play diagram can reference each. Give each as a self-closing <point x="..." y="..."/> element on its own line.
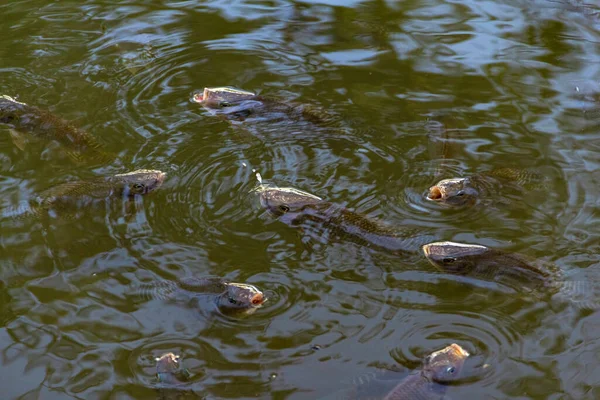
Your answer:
<point x="425" y="90"/>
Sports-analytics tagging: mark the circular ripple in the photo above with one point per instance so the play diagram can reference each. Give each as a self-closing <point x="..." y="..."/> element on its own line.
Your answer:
<point x="142" y="360"/>
<point x="487" y="334"/>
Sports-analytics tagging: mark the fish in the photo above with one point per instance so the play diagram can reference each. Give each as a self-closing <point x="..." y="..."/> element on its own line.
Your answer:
<point x="238" y="105"/>
<point x="464" y="192"/>
<point x="514" y="270"/>
<point x="70" y="196"/>
<point x="326" y="220"/>
<point x="26" y="119"/>
<point x="231" y="298"/>
<point x="171" y="376"/>
<point x="439" y="369"/>
<point x="168" y="368"/>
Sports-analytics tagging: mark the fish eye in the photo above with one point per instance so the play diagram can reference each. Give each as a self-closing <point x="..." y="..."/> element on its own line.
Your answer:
<point x="448" y="260"/>
<point x="224" y="104"/>
<point x="461" y="193"/>
<point x="450" y="370"/>
<point x="284" y="208"/>
<point x="232" y="300"/>
<point x="138" y="186"/>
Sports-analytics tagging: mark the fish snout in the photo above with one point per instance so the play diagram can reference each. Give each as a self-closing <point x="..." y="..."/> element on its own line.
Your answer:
<point x="459" y="351"/>
<point x="258" y="299"/>
<point x="198" y="97"/>
<point x="426" y="248"/>
<point x="435" y="193"/>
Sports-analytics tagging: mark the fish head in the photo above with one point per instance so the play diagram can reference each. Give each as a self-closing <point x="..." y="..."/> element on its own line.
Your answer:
<point x="141" y="181"/>
<point x="222" y="97"/>
<point x="445" y="365"/>
<point x="167" y="363"/>
<point x="455" y="258"/>
<point x="241" y="299"/>
<point x="280" y="201"/>
<point x="454" y="192"/>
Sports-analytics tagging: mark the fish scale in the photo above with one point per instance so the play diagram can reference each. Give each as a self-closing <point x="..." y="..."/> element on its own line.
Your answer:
<point x="230" y="297"/>
<point x="24" y="118"/>
<point x="188" y="287"/>
<point x="538" y="277"/>
<point x="70" y="196"/>
<point x="325" y="220"/>
<point x="239" y="104"/>
<point x="439" y="368"/>
<point x="467" y="191"/>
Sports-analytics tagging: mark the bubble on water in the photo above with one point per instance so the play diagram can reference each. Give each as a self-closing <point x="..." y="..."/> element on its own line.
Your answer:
<point x="258" y="176"/>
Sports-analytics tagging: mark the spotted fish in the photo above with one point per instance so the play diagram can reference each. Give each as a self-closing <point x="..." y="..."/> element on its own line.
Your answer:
<point x="71" y="196"/>
<point x="513" y="270"/>
<point x="238" y="105"/>
<point x="460" y="192"/>
<point x="231" y="298"/>
<point x="171" y="376"/>
<point x="25" y="119"/>
<point x="325" y="221"/>
<point x="439" y="369"/>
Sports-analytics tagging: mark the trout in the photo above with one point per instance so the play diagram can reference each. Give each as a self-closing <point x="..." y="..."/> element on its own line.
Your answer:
<point x="69" y="196"/>
<point x="439" y="369"/>
<point x="327" y="220"/>
<point x="238" y="105"/>
<point x="511" y="269"/>
<point x="171" y="377"/>
<point x="25" y="119"/>
<point x="231" y="298"/>
<point x="459" y="192"/>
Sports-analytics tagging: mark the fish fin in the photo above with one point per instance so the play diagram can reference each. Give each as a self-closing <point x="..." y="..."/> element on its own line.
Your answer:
<point x="584" y="295"/>
<point x="75" y="156"/>
<point x="19" y="139"/>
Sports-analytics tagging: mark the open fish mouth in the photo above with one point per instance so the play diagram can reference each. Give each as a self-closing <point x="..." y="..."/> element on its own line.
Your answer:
<point x="258" y="300"/>
<point x="435" y="193"/>
<point x="198" y="97"/>
<point x="459" y="351"/>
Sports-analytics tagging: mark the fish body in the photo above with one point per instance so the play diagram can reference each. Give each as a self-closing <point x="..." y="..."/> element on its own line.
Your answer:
<point x="439" y="369"/>
<point x="69" y="196"/>
<point x="238" y="105"/>
<point x="26" y="119"/>
<point x="231" y="298"/>
<point x="328" y="220"/>
<point x="514" y="270"/>
<point x="462" y="192"/>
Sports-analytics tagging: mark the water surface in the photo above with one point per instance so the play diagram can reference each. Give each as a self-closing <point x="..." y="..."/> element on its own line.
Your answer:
<point x="426" y="90"/>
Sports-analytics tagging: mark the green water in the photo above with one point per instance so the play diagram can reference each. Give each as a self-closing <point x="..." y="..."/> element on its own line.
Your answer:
<point x="426" y="90"/>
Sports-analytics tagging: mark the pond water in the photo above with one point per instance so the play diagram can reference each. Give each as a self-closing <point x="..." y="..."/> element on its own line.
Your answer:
<point x="425" y="89"/>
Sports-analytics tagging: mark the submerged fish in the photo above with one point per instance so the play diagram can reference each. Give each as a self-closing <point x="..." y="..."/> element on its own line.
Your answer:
<point x="231" y="298"/>
<point x="457" y="192"/>
<point x="238" y="104"/>
<point x="171" y="377"/>
<point x="327" y="220"/>
<point x="511" y="269"/>
<point x="69" y="196"/>
<point x="26" y="119"/>
<point x="439" y="369"/>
